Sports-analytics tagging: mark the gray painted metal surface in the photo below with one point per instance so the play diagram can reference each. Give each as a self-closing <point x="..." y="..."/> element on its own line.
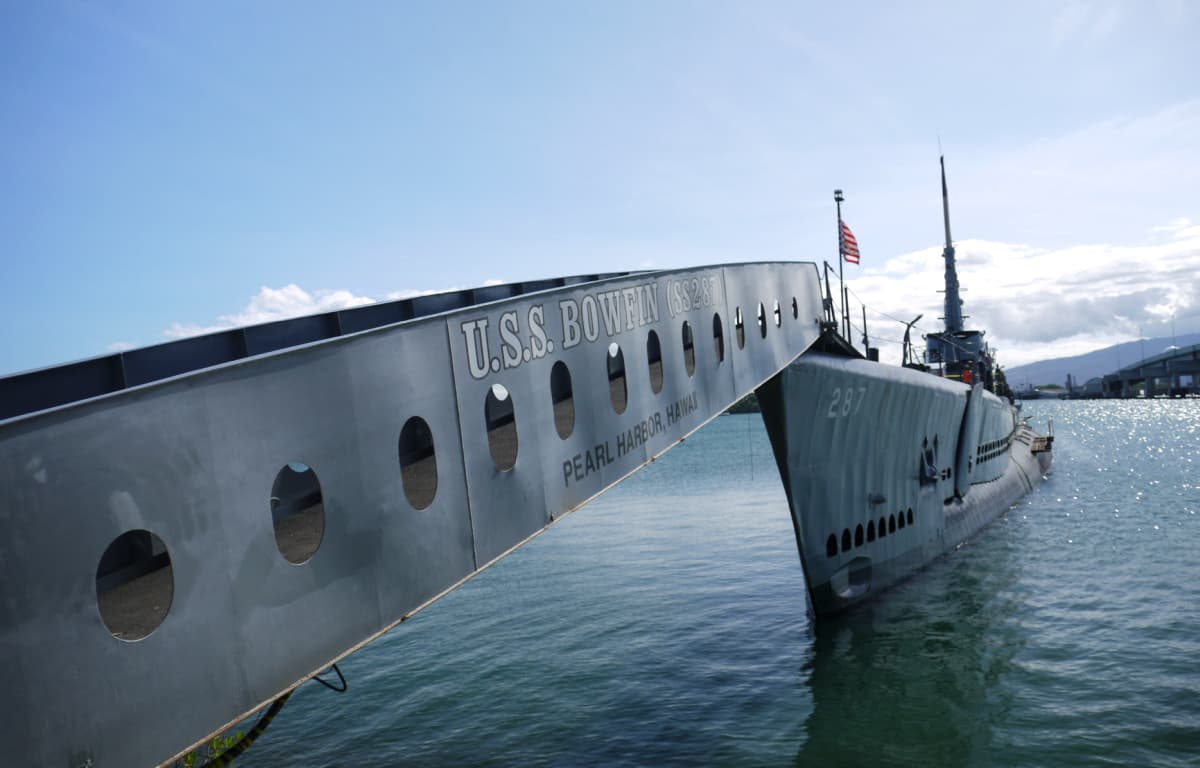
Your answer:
<point x="862" y="446"/>
<point x="193" y="457"/>
<point x="968" y="438"/>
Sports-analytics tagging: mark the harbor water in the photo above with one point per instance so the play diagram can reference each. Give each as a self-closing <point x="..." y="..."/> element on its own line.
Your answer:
<point x="665" y="624"/>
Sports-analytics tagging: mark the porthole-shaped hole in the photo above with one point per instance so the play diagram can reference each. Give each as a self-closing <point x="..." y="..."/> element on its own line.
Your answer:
<point x="795" y="309"/>
<point x="689" y="349"/>
<point x="134" y="584"/>
<point x="762" y="320"/>
<point x="740" y="327"/>
<point x="846" y="540"/>
<point x="778" y="314"/>
<point x="654" y="358"/>
<point x="617" y="390"/>
<point x="297" y="512"/>
<point x="563" y="399"/>
<point x="910" y="516"/>
<point x="871" y="531"/>
<point x="718" y="338"/>
<point x="418" y="463"/>
<point x="900" y="519"/>
<point x="501" y="420"/>
<point x="858" y="535"/>
<point x="891" y="523"/>
<point x="831" y="546"/>
<point x="882" y="527"/>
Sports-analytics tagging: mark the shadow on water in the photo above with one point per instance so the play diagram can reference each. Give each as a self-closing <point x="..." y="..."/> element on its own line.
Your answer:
<point x="910" y="678"/>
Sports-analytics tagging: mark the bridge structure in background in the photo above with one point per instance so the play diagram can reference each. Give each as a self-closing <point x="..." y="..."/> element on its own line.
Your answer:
<point x="1175" y="372"/>
<point x="193" y="529"/>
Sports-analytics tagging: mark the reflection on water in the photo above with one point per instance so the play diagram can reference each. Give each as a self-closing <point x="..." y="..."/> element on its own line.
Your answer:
<point x="665" y="624"/>
<point x="909" y="679"/>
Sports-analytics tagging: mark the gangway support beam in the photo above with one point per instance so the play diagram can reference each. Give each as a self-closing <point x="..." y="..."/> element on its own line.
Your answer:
<point x="179" y="552"/>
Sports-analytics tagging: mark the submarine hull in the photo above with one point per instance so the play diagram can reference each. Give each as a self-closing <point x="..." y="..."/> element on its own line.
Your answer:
<point x="887" y="468"/>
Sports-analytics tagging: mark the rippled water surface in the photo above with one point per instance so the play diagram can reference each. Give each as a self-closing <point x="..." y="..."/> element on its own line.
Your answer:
<point x="664" y="624"/>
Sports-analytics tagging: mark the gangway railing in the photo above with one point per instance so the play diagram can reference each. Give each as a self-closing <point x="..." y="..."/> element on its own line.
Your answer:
<point x="192" y="531"/>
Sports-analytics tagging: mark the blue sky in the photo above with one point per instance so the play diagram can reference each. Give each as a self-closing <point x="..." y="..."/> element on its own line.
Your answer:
<point x="173" y="167"/>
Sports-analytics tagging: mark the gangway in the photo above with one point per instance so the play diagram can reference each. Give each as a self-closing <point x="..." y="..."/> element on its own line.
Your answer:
<point x="193" y="529"/>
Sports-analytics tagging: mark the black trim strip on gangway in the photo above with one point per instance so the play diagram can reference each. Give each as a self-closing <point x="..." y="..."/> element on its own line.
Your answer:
<point x="38" y="390"/>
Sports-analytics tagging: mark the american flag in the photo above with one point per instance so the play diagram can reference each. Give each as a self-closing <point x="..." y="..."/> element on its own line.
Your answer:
<point x="849" y="245"/>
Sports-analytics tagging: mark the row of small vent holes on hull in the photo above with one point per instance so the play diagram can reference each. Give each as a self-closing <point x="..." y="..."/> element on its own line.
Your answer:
<point x="134" y="580"/>
<point x="886" y="525"/>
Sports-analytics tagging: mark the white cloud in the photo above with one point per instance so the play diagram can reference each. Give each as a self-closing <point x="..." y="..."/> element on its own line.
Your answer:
<point x="411" y="293"/>
<point x="1180" y="228"/>
<point x="1035" y="303"/>
<point x="183" y="330"/>
<point x="408" y="293"/>
<point x="1038" y="303"/>
<point x="271" y="304"/>
<point x="274" y="304"/>
<point x="291" y="301"/>
<point x="119" y="346"/>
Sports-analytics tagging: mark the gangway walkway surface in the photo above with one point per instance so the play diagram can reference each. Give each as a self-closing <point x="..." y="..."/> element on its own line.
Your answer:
<point x="193" y="529"/>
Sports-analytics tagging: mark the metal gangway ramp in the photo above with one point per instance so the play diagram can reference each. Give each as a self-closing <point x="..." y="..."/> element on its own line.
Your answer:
<point x="191" y="530"/>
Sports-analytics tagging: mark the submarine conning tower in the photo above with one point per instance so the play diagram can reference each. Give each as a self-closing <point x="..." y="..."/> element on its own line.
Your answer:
<point x="960" y="352"/>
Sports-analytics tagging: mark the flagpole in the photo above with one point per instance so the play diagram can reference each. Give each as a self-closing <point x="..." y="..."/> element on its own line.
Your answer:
<point x="845" y="319"/>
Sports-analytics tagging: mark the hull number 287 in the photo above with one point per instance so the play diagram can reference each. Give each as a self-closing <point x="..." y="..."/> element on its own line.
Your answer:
<point x="846" y="401"/>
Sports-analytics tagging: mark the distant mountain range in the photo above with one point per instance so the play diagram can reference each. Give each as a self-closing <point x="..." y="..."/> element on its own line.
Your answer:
<point x="1092" y="364"/>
